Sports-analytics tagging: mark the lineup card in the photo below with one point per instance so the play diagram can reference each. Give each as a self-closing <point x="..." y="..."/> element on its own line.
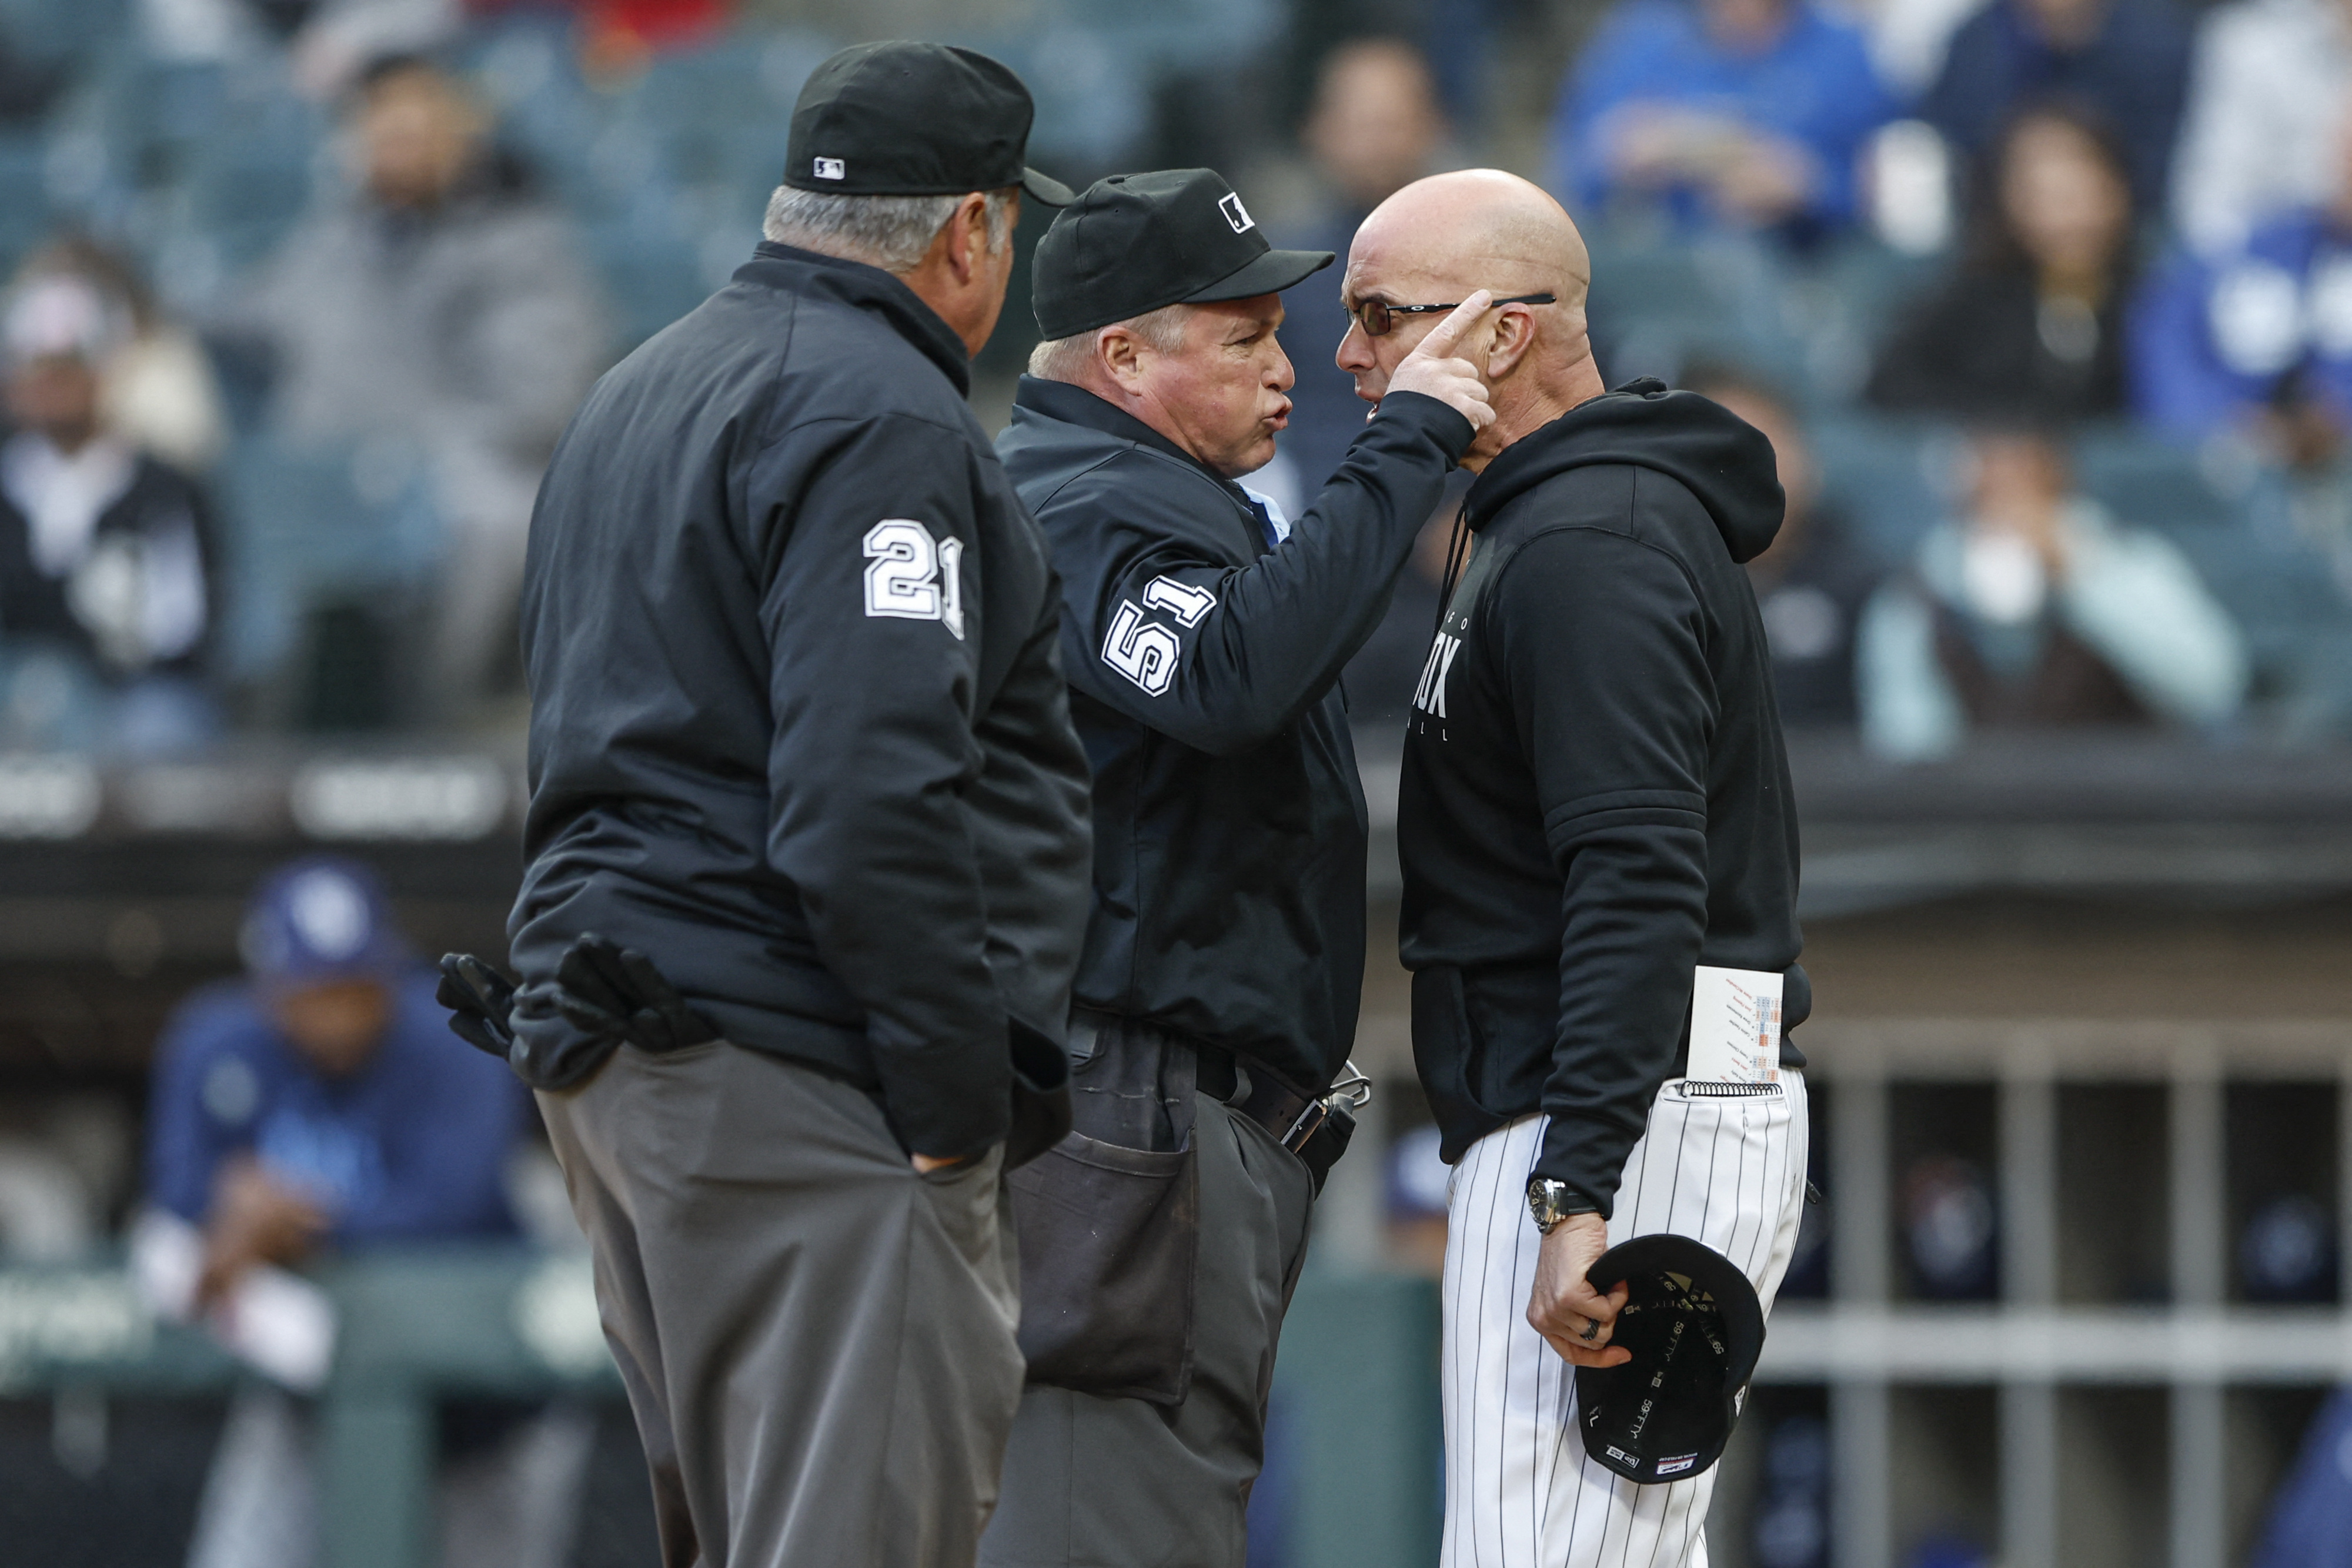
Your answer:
<point x="1735" y="1034"/>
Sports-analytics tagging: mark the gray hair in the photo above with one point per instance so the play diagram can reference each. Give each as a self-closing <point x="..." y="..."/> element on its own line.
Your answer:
<point x="893" y="232"/>
<point x="1067" y="358"/>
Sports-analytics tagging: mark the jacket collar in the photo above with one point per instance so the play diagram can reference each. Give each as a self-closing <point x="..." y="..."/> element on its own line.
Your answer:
<point x="862" y="288"/>
<point x="1076" y="405"/>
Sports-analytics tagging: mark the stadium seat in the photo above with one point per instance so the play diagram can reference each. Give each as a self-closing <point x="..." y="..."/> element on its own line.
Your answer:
<point x="63" y="30"/>
<point x="655" y="277"/>
<point x="248" y="194"/>
<point x="25" y="214"/>
<point x="305" y="521"/>
<point x="1890" y="479"/>
<point x="2154" y="482"/>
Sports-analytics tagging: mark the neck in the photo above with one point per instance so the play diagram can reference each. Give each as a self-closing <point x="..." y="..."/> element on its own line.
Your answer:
<point x="2083" y="281"/>
<point x="1147" y="410"/>
<point x="2068" y="27"/>
<point x="1519" y="414"/>
<point x="968" y="313"/>
<point x="70" y="439"/>
<point x="970" y="317"/>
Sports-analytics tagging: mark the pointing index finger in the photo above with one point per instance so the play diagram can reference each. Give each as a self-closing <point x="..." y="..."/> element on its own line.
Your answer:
<point x="1443" y="337"/>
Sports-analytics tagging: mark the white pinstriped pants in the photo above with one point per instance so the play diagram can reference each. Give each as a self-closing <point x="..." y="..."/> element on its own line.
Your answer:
<point x="1519" y="1492"/>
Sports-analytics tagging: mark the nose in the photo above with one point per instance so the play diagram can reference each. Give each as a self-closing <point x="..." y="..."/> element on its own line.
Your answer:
<point x="1355" y="353"/>
<point x="1285" y="374"/>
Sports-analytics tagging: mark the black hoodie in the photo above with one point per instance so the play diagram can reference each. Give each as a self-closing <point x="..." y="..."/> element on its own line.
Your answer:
<point x="1595" y="797"/>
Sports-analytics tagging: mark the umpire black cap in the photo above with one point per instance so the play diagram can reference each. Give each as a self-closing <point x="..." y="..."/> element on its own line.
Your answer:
<point x="913" y="120"/>
<point x="1694" y="1327"/>
<point x="1134" y="242"/>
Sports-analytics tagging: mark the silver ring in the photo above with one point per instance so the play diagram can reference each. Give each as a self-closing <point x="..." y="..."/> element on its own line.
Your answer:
<point x="1592" y="1328"/>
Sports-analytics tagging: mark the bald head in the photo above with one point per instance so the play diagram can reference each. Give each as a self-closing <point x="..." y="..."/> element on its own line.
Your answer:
<point x="1475" y="228"/>
<point x="1441" y="239"/>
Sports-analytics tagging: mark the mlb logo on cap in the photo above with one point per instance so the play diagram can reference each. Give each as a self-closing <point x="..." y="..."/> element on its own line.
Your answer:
<point x="1235" y="213"/>
<point x="832" y="169"/>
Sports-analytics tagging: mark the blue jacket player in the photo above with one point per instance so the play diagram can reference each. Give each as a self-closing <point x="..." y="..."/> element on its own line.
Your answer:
<point x="322" y="1102"/>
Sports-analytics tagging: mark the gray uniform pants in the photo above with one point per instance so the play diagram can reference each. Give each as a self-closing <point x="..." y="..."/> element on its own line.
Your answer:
<point x="1093" y="1482"/>
<point x="817" y="1342"/>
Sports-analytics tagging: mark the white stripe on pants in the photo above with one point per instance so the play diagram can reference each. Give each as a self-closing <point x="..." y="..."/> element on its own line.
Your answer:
<point x="1519" y="1492"/>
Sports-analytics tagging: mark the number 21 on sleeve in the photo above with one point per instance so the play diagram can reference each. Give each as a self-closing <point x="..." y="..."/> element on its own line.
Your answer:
<point x="910" y="577"/>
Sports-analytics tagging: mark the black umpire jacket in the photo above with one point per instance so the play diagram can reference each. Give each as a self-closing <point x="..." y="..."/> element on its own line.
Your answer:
<point x="798" y="727"/>
<point x="1595" y="797"/>
<point x="1204" y="676"/>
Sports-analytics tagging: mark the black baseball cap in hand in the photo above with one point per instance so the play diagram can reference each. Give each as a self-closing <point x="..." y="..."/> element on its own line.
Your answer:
<point x="913" y="120"/>
<point x="1694" y="1327"/>
<point x="1134" y="242"/>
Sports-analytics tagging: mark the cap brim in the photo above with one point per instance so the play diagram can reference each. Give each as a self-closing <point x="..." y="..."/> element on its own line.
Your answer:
<point x="1046" y="189"/>
<point x="1269" y="274"/>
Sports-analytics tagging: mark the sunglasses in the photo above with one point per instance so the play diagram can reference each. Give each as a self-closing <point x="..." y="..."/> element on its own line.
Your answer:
<point x="1378" y="317"/>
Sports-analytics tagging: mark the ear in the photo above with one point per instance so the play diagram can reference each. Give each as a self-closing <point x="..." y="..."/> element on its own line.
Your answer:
<point x="966" y="237"/>
<point x="1515" y="334"/>
<point x="1120" y="355"/>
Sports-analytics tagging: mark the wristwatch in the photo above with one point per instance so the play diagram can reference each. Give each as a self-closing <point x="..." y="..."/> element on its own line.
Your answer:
<point x="1551" y="1200"/>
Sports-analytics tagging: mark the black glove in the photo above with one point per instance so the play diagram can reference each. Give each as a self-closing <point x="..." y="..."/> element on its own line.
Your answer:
<point x="481" y="1002"/>
<point x="613" y="992"/>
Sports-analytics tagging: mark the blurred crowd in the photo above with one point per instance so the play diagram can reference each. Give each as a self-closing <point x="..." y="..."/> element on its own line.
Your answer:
<point x="2031" y="296"/>
<point x="2046" y="304"/>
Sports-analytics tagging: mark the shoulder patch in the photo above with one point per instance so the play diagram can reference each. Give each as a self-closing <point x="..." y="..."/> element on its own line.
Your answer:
<point x="1146" y="650"/>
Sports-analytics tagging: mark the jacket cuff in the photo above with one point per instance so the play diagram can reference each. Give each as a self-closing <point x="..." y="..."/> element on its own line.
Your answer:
<point x="1449" y="431"/>
<point x="951" y="1103"/>
<point x="1588" y="1154"/>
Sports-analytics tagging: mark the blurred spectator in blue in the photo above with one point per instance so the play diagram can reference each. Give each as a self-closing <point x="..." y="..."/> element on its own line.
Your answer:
<point x="2310" y="1524"/>
<point x="1750" y="114"/>
<point x="2030" y="321"/>
<point x="2036" y="610"/>
<point x="321" y="1104"/>
<point x="1373" y="129"/>
<point x="2269" y="86"/>
<point x="2259" y="335"/>
<point x="323" y="1101"/>
<point x="106" y="557"/>
<point x="1812" y="585"/>
<point x="444" y="304"/>
<point x="2124" y="62"/>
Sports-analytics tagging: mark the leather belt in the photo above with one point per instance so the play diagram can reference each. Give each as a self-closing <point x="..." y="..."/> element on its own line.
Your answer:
<point x="1289" y="1117"/>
